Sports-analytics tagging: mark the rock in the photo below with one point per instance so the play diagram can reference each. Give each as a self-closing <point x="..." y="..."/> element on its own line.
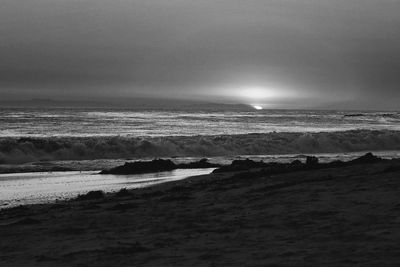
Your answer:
<point x="241" y="165"/>
<point x="138" y="167"/>
<point x="296" y="162"/>
<point x="311" y="160"/>
<point x="157" y="165"/>
<point x="201" y="164"/>
<point x="367" y="158"/>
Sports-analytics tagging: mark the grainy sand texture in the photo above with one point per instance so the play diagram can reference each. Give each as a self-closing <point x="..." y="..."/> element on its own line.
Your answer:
<point x="338" y="216"/>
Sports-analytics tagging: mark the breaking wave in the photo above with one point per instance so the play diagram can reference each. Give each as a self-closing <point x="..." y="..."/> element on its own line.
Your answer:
<point x="21" y="150"/>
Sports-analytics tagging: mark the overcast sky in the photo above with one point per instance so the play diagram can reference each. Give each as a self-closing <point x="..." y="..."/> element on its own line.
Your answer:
<point x="283" y="53"/>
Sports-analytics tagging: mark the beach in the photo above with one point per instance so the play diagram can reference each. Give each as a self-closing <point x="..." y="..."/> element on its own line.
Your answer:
<point x="330" y="216"/>
<point x="199" y="133"/>
<point x="275" y="210"/>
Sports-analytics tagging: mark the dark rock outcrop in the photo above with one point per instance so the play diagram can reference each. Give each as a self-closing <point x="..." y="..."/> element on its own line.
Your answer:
<point x="201" y="164"/>
<point x="242" y="165"/>
<point x="367" y="158"/>
<point x="311" y="163"/>
<point x="296" y="162"/>
<point x="157" y="165"/>
<point x="311" y="160"/>
<point x="138" y="167"/>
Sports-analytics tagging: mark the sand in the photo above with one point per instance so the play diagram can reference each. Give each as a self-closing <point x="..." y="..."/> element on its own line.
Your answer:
<point x="329" y="217"/>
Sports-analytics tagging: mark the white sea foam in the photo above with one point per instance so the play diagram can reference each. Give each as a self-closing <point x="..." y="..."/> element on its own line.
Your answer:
<point x="20" y="150"/>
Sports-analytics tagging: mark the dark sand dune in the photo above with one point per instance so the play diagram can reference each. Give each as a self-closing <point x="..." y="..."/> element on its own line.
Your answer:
<point x="335" y="216"/>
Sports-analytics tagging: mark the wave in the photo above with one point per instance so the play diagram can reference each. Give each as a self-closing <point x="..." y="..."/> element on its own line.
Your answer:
<point x="22" y="150"/>
<point x="371" y="115"/>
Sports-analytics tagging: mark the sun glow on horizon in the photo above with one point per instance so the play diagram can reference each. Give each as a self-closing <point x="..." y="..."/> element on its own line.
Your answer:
<point x="259" y="93"/>
<point x="255" y="96"/>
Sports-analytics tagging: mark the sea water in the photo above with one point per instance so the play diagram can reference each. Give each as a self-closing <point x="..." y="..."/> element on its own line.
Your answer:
<point x="51" y="122"/>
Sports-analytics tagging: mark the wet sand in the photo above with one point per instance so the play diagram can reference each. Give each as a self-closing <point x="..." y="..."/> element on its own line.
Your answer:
<point x="328" y="217"/>
<point x="46" y="187"/>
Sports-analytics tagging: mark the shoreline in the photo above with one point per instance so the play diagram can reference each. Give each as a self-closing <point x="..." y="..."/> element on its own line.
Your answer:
<point x="333" y="216"/>
<point x="39" y="188"/>
<point x="100" y="164"/>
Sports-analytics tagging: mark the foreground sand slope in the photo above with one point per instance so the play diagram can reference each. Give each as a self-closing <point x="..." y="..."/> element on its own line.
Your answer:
<point x="338" y="216"/>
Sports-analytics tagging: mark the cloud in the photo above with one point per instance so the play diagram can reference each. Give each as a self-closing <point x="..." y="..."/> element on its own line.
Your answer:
<point x="332" y="51"/>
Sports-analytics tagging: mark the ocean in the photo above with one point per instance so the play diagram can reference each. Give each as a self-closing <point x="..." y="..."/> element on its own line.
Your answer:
<point x="39" y="136"/>
<point x="63" y="122"/>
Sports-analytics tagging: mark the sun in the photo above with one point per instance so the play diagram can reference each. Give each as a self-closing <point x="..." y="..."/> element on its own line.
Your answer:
<point x="257" y="107"/>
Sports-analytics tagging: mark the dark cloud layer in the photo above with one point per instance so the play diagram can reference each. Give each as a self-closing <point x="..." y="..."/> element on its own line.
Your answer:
<point x="316" y="53"/>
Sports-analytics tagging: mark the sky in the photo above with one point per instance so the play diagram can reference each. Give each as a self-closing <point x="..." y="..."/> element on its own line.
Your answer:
<point x="275" y="53"/>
